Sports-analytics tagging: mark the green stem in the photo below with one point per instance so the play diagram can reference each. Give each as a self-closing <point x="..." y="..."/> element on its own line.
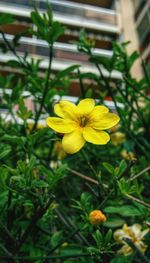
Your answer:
<point x="81" y="85"/>
<point x="145" y="72"/>
<point x="89" y="164"/>
<point x="106" y="198"/>
<point x="45" y="88"/>
<point x="131" y="105"/>
<point x="120" y="114"/>
<point x="12" y="49"/>
<point x="111" y="94"/>
<point x="135" y="89"/>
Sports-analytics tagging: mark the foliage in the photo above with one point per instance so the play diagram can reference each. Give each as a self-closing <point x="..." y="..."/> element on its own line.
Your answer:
<point x="45" y="199"/>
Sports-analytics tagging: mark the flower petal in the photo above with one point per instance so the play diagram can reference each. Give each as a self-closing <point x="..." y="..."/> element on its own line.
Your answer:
<point x="144" y="233"/>
<point x="61" y="125"/>
<point x="66" y="110"/>
<point x="73" y="142"/>
<point x="96" y="137"/>
<point x="106" y="121"/>
<point x="141" y="246"/>
<point x="119" y="235"/>
<point x="86" y="106"/>
<point x="136" y="229"/>
<point x="125" y="250"/>
<point x="98" y="111"/>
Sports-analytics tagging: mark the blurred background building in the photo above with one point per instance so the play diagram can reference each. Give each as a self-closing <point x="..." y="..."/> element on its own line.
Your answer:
<point x="142" y="24"/>
<point x="105" y="21"/>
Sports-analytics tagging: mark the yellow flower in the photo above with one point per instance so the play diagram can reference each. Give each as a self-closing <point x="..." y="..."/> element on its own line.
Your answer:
<point x="128" y="155"/>
<point x="96" y="217"/>
<point x="133" y="233"/>
<point x="117" y="138"/>
<point x="81" y="123"/>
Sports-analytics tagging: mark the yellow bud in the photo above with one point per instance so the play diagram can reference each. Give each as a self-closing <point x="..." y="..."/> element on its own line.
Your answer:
<point x="96" y="217"/>
<point x="117" y="138"/>
<point x="128" y="155"/>
<point x="65" y="244"/>
<point x="58" y="150"/>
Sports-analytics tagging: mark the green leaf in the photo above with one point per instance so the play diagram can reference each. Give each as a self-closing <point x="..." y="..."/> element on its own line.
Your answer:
<point x="126" y="187"/>
<point x="3" y="177"/>
<point x="39" y="184"/>
<point x="56" y="238"/>
<point x="120" y="259"/>
<point x="109" y="168"/>
<point x="105" y="62"/>
<point x="89" y="93"/>
<point x="56" y="31"/>
<point x="98" y="238"/>
<point x="121" y="169"/>
<point x="66" y="72"/>
<point x="71" y="250"/>
<point x="23" y="112"/>
<point x="37" y="20"/>
<point x="35" y="252"/>
<point x="14" y="63"/>
<point x="14" y="139"/>
<point x="6" y="19"/>
<point x="21" y="166"/>
<point x="125" y="210"/>
<point x="88" y="75"/>
<point x="108" y="236"/>
<point x="5" y="152"/>
<point x="49" y="13"/>
<point x="132" y="58"/>
<point x="114" y="221"/>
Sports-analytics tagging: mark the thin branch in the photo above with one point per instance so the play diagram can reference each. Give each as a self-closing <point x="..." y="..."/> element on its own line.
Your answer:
<point x="68" y="223"/>
<point x="8" y="233"/>
<point x="75" y="231"/>
<point x="6" y="251"/>
<point x="89" y="164"/>
<point x="83" y="176"/>
<point x="135" y="89"/>
<point x="137" y="200"/>
<point x="145" y="72"/>
<point x="139" y="174"/>
<point x="138" y="113"/>
<point x="28" y="230"/>
<point x="12" y="49"/>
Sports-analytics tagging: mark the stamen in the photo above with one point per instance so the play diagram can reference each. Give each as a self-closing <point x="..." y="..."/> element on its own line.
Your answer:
<point x="83" y="121"/>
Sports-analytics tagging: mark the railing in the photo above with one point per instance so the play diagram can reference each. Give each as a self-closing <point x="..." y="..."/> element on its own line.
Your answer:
<point x="70" y="9"/>
<point x="36" y="44"/>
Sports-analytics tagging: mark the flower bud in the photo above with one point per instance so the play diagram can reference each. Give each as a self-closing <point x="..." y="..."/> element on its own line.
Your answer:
<point x="96" y="217"/>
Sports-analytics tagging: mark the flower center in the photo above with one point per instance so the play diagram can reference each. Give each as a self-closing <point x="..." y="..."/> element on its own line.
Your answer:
<point x="83" y="121"/>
